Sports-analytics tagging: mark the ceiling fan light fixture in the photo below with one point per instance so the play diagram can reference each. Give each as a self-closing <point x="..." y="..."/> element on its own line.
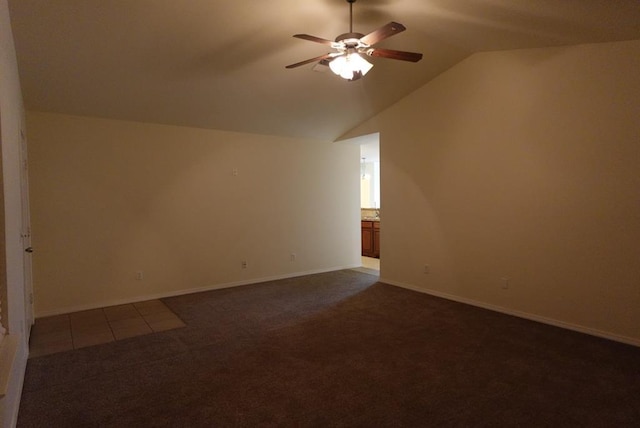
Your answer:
<point x="350" y="65"/>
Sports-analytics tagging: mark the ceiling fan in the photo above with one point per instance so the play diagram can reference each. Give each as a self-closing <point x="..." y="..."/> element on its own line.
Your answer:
<point x="347" y="62"/>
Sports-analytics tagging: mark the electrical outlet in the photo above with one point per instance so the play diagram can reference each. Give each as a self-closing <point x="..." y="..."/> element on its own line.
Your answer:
<point x="504" y="281"/>
<point x="139" y="275"/>
<point x="427" y="269"/>
<point x="293" y="257"/>
<point x="244" y="264"/>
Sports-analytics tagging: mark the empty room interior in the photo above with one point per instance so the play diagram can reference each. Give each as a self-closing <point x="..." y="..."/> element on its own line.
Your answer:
<point x="183" y="227"/>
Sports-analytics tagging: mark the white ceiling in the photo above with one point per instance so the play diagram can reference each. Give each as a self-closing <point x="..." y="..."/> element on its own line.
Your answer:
<point x="220" y="64"/>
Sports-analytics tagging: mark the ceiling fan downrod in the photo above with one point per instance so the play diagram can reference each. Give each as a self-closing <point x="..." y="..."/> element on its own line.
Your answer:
<point x="350" y="38"/>
<point x="351" y="2"/>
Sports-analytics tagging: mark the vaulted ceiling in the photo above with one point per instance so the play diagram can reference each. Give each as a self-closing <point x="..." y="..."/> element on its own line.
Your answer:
<point x="220" y="64"/>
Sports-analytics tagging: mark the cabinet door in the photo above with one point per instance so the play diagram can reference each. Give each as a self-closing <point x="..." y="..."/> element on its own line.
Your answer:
<point x="376" y="243"/>
<point x="367" y="239"/>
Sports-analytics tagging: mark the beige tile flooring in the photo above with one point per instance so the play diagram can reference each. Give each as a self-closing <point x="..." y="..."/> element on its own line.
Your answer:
<point x="369" y="266"/>
<point x="370" y="263"/>
<point x="93" y="327"/>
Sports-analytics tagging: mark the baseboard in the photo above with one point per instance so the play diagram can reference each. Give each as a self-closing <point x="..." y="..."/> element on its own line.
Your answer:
<point x="532" y="317"/>
<point x="13" y="364"/>
<point x="162" y="295"/>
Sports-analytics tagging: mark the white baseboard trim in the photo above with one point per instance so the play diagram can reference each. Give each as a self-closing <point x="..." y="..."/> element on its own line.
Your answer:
<point x="532" y="317"/>
<point x="162" y="295"/>
<point x="13" y="364"/>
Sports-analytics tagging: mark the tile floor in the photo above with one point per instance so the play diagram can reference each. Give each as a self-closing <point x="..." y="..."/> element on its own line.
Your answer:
<point x="369" y="266"/>
<point x="370" y="263"/>
<point x="93" y="327"/>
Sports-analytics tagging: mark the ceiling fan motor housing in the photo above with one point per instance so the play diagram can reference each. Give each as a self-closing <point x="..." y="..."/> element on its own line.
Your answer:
<point x="350" y="39"/>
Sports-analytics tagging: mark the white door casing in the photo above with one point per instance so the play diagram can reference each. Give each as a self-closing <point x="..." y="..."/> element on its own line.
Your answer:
<point x="26" y="233"/>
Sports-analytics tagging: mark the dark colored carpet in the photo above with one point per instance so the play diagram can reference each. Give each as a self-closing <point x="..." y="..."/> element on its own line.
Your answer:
<point x="337" y="349"/>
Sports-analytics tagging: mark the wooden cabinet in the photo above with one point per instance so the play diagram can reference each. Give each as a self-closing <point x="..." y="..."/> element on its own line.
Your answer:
<point x="376" y="239"/>
<point x="367" y="238"/>
<point x="371" y="238"/>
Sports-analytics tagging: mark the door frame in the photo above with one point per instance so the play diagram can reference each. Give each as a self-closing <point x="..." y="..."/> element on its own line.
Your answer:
<point x="25" y="233"/>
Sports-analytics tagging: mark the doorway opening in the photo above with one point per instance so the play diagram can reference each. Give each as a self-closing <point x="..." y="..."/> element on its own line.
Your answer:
<point x="370" y="201"/>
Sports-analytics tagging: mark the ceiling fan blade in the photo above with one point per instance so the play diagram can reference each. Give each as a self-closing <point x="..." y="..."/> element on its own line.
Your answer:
<point x="393" y="54"/>
<point x="308" y="61"/>
<point x="382" y="33"/>
<point x="313" y="39"/>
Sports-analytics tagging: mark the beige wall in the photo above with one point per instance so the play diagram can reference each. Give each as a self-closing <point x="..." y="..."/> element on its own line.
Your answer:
<point x="521" y="164"/>
<point x="111" y="198"/>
